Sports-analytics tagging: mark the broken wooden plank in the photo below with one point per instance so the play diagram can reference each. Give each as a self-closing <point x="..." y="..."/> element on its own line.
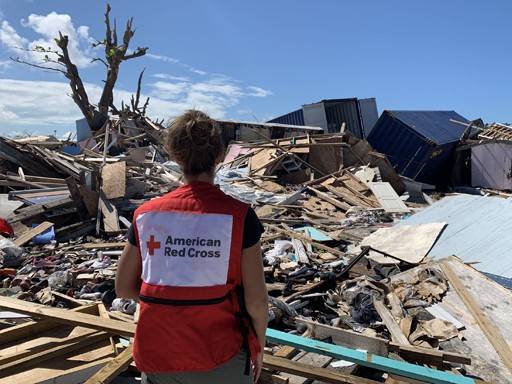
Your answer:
<point x="69" y="317"/>
<point x="110" y="216"/>
<point x="283" y="365"/>
<point x="324" y="196"/>
<point x="113" y="368"/>
<point x="492" y="333"/>
<point x="33" y="328"/>
<point x="412" y="371"/>
<point x="38" y="209"/>
<point x="30" y="234"/>
<point x="296" y="235"/>
<point x="346" y="337"/>
<point x="119" y="244"/>
<point x="39" y="356"/>
<point x="74" y="191"/>
<point x="394" y="329"/>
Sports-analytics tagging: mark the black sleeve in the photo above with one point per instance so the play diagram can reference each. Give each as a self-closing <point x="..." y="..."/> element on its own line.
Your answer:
<point x="132" y="239"/>
<point x="252" y="229"/>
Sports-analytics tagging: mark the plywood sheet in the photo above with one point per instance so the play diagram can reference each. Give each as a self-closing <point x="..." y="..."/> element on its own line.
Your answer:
<point x="407" y="243"/>
<point x="114" y="180"/>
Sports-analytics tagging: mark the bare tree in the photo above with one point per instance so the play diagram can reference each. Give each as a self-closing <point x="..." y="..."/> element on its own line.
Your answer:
<point x="115" y="53"/>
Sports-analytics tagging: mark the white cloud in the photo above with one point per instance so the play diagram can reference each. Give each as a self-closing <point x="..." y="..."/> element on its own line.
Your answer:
<point x="197" y="71"/>
<point x="172" y="60"/>
<point x="48" y="28"/>
<point x="4" y="64"/>
<point x="167" y="59"/>
<point x="215" y="96"/>
<point x="28" y="104"/>
<point x="170" y="77"/>
<point x="10" y="38"/>
<point x="258" y="92"/>
<point x="6" y="114"/>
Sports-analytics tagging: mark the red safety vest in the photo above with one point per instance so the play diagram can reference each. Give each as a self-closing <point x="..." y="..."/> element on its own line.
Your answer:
<point x="190" y="242"/>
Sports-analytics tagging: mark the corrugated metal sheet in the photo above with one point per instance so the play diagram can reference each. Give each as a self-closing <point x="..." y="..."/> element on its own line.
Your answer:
<point x="292" y="118"/>
<point x="369" y="114"/>
<point x="410" y="151"/>
<point x="359" y="115"/>
<point x="478" y="230"/>
<point x="433" y="125"/>
<point x="491" y="165"/>
<point x="314" y="114"/>
<point x="344" y="111"/>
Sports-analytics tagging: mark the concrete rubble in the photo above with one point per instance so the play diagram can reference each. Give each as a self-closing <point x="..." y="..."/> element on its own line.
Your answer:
<point x="345" y="260"/>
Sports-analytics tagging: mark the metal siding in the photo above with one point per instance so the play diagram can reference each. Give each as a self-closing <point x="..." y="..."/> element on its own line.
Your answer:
<point x="434" y="125"/>
<point x="412" y="154"/>
<point x="292" y="118"/>
<point x="405" y="149"/>
<point x="340" y="111"/>
<point x="369" y="114"/>
<point x="478" y="230"/>
<point x="314" y="115"/>
<point x="491" y="165"/>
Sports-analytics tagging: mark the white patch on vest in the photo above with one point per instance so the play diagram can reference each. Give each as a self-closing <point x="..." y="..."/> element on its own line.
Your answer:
<point x="183" y="249"/>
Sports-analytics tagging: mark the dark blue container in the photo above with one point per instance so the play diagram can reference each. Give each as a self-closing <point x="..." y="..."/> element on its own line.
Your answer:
<point x="418" y="143"/>
<point x="292" y="118"/>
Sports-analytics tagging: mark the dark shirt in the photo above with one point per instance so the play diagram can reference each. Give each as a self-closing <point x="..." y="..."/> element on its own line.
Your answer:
<point x="252" y="230"/>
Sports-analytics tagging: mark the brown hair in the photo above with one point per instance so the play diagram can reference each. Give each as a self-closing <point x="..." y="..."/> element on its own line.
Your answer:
<point x="194" y="141"/>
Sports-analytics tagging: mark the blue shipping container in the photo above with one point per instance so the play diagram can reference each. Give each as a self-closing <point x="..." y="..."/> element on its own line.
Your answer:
<point x="418" y="143"/>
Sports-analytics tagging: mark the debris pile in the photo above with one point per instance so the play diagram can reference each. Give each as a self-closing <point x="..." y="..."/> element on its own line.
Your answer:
<point x="342" y="264"/>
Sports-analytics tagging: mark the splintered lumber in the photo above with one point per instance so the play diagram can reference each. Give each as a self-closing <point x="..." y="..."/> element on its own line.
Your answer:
<point x="274" y="144"/>
<point x="30" y="234"/>
<point x="32" y="328"/>
<point x="324" y="196"/>
<point x="69" y="317"/>
<point x="381" y="347"/>
<point x="110" y="216"/>
<point x="113" y="368"/>
<point x="26" y="359"/>
<point x="305" y="370"/>
<point x="385" y="314"/>
<point x="295" y="235"/>
<point x="113" y="178"/>
<point x="9" y="152"/>
<point x="490" y="331"/>
<point x="102" y="311"/>
<point x="412" y="371"/>
<point x="38" y="209"/>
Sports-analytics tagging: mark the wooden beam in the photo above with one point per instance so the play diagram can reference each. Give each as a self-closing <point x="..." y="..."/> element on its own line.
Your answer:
<point x="69" y="317"/>
<point x="490" y="331"/>
<point x="385" y="314"/>
<point x="102" y="310"/>
<point x="60" y="349"/>
<point x="32" y="328"/>
<point x="412" y="371"/>
<point x="38" y="209"/>
<point x="77" y="374"/>
<point x="31" y="233"/>
<point x="324" y="196"/>
<point x="103" y="245"/>
<point x="380" y="346"/>
<point x="113" y="368"/>
<point x="296" y="235"/>
<point x="283" y="365"/>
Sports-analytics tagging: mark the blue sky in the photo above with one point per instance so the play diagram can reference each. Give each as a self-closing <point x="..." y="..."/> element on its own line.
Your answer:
<point x="256" y="60"/>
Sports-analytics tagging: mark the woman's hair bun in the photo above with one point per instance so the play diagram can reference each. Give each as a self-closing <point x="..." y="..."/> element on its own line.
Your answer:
<point x="195" y="142"/>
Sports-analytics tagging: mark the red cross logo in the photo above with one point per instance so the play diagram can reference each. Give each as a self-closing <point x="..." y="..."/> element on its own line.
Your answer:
<point x="152" y="245"/>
